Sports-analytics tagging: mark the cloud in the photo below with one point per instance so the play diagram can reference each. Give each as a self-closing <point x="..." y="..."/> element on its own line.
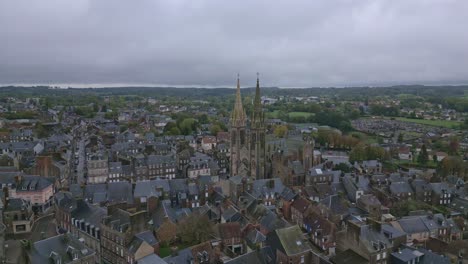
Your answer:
<point x="291" y="43"/>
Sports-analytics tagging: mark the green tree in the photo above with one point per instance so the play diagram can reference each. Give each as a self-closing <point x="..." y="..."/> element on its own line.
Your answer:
<point x="423" y="157"/>
<point x="400" y="137"/>
<point x="214" y="129"/>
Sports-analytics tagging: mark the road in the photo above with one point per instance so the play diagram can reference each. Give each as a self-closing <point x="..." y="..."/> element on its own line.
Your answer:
<point x="44" y="227"/>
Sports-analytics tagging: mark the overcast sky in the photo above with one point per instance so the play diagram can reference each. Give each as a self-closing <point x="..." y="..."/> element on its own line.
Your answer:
<point x="195" y="42"/>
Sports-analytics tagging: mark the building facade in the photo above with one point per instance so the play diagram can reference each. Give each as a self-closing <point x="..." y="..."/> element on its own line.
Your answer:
<point x="248" y="144"/>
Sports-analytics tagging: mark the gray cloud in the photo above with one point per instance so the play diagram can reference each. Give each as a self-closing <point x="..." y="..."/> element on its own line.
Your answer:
<point x="292" y="43"/>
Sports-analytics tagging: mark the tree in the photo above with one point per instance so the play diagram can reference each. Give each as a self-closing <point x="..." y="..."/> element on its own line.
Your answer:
<point x="195" y="229"/>
<point x="400" y="138"/>
<point x="214" y="129"/>
<point x="367" y="152"/>
<point x="454" y="145"/>
<point x="280" y="131"/>
<point x="343" y="167"/>
<point x="423" y="156"/>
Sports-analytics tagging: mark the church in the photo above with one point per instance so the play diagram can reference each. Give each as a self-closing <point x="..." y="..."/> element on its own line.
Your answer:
<point x="248" y="138"/>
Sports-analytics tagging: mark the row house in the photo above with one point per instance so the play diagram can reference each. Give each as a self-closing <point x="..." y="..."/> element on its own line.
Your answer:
<point x="161" y="167"/>
<point x="98" y="169"/>
<point x="322" y="232"/>
<point x="118" y="229"/>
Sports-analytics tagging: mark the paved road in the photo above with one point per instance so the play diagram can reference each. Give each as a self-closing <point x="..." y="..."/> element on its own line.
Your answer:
<point x="81" y="162"/>
<point x="44" y="227"/>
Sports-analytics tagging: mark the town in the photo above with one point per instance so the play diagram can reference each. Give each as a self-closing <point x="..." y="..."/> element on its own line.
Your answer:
<point x="245" y="175"/>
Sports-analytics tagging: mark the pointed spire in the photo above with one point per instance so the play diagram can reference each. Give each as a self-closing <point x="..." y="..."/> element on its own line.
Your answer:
<point x="257" y="100"/>
<point x="238" y="114"/>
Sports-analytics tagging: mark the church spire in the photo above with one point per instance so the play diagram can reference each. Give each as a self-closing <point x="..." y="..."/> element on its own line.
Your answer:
<point x="257" y="100"/>
<point x="238" y="114"/>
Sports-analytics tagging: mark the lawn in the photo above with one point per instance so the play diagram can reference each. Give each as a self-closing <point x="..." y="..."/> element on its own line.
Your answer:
<point x="275" y="114"/>
<point x="164" y="251"/>
<point x="299" y="114"/>
<point x="438" y="123"/>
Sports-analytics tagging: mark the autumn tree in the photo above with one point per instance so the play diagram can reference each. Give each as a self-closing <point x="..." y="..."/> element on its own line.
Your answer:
<point x="281" y="131"/>
<point x="195" y="229"/>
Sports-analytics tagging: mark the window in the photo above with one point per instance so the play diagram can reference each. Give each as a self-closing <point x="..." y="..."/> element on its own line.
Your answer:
<point x="302" y="259"/>
<point x="378" y="256"/>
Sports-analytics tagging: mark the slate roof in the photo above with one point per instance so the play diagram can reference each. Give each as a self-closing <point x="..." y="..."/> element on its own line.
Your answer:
<point x="150" y="188"/>
<point x="411" y="225"/>
<point x="440" y="187"/>
<point x="148" y="237"/>
<point x="120" y="192"/>
<point x="33" y="183"/>
<point x="16" y="204"/>
<point x="62" y="245"/>
<point x="267" y="186"/>
<point x="254" y="236"/>
<point x="151" y="259"/>
<point x="89" y="213"/>
<point x="400" y="187"/>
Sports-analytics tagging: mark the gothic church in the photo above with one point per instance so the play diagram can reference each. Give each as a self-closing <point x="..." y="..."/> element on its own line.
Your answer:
<point x="248" y="138"/>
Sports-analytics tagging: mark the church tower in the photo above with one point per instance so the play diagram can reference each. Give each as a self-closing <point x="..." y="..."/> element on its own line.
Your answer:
<point x="239" y="145"/>
<point x="257" y="137"/>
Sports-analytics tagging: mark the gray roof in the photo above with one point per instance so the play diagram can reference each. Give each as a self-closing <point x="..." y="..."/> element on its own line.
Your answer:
<point x="400" y="187"/>
<point x="413" y="225"/>
<point x="151" y="259"/>
<point x="440" y="187"/>
<point x="120" y="191"/>
<point x="267" y="186"/>
<point x="89" y="213"/>
<point x="151" y="188"/>
<point x="36" y="183"/>
<point x="58" y="247"/>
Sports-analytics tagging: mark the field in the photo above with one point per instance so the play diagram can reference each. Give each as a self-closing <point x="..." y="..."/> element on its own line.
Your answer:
<point x="437" y="123"/>
<point x="275" y="114"/>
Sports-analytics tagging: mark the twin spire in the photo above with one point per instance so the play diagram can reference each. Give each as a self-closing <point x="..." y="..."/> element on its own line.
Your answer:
<point x="238" y="117"/>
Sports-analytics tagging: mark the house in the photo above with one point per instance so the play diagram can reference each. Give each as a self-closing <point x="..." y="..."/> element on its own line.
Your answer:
<point x="417" y="256"/>
<point x="84" y="222"/>
<point x="322" y="232"/>
<point x="208" y="143"/>
<point x="299" y="210"/>
<point x="18" y="216"/>
<point x="118" y="229"/>
<point x="295" y="173"/>
<point x="440" y="155"/>
<point x="371" y="166"/>
<point x="441" y="193"/>
<point x="402" y="190"/>
<point x="373" y="240"/>
<point x="160" y="166"/>
<point x="404" y="153"/>
<point x="422" y="190"/>
<point x="317" y="175"/>
<point x="98" y="169"/>
<point x="231" y="237"/>
<point x="289" y="245"/>
<point x="371" y="205"/>
<point x="60" y="249"/>
<point x="36" y="189"/>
